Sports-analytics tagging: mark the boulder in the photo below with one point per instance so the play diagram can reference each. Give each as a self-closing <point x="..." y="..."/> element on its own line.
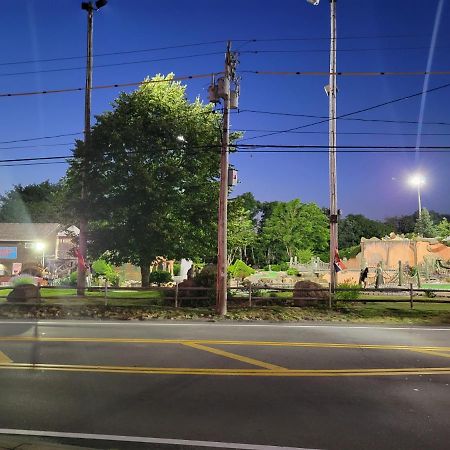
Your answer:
<point x="304" y="296"/>
<point x="24" y="293"/>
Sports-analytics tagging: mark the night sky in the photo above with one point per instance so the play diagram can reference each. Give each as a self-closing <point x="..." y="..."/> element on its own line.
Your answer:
<point x="291" y="35"/>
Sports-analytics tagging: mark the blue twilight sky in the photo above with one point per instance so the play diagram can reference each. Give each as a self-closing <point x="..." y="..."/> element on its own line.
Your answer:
<point x="374" y="35"/>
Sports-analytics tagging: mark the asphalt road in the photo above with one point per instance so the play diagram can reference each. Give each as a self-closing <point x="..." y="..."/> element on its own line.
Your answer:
<point x="197" y="385"/>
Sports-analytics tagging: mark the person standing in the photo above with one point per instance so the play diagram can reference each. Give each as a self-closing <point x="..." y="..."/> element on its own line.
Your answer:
<point x="379" y="276"/>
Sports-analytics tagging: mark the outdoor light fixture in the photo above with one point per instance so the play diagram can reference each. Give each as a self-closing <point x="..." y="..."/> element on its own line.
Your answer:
<point x="313" y="2"/>
<point x="39" y="246"/>
<point x="417" y="180"/>
<point x="89" y="6"/>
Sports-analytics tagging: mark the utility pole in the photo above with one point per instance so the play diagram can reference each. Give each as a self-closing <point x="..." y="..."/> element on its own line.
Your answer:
<point x="222" y="247"/>
<point x="332" y="91"/>
<point x="82" y="238"/>
<point x="81" y="273"/>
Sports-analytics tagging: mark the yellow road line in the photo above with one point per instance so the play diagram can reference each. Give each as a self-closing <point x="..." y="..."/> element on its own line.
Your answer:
<point x="241" y="358"/>
<point x="431" y="352"/>
<point x="4" y="359"/>
<point x="222" y="342"/>
<point x="233" y="372"/>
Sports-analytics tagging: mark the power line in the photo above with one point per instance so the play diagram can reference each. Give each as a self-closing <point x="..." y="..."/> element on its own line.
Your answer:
<point x="312" y="116"/>
<point x="344" y="50"/>
<point x="377" y="133"/>
<point x="197" y="44"/>
<point x="106" y="86"/>
<point x="351" y="74"/>
<point x="39" y="138"/>
<point x="24" y="147"/>
<point x="99" y="66"/>
<point x="369" y="108"/>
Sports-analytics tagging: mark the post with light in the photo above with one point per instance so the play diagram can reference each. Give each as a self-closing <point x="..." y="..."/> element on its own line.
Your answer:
<point x="40" y="247"/>
<point x="89" y="7"/>
<point x="224" y="90"/>
<point x="331" y="90"/>
<point x="417" y="180"/>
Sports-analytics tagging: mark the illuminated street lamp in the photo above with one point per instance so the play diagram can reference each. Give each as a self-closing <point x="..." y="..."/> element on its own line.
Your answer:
<point x="417" y="180"/>
<point x="40" y="246"/>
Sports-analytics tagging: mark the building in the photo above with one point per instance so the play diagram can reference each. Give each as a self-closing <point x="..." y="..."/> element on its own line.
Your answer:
<point x="32" y="247"/>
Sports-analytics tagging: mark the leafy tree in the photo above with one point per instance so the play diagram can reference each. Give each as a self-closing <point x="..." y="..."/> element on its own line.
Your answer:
<point x="424" y="225"/>
<point x="296" y="226"/>
<point x="406" y="224"/>
<point x="241" y="231"/>
<point x="443" y="228"/>
<point x="355" y="226"/>
<point x="240" y="270"/>
<point x="250" y="204"/>
<point x="149" y="191"/>
<point x="102" y="268"/>
<point x="42" y="202"/>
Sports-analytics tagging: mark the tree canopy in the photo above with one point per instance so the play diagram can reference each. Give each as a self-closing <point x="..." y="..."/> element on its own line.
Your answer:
<point x="152" y="169"/>
<point x="41" y="202"/>
<point x="355" y="226"/>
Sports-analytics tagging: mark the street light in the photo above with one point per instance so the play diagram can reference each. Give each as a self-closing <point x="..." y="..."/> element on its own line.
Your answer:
<point x="89" y="7"/>
<point x="417" y="180"/>
<point x="40" y="246"/>
<point x="331" y="91"/>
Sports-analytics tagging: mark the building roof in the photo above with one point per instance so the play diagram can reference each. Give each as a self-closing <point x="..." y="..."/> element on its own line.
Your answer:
<point x="23" y="232"/>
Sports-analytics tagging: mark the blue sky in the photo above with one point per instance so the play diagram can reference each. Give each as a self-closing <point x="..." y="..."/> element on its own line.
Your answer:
<point x="374" y="35"/>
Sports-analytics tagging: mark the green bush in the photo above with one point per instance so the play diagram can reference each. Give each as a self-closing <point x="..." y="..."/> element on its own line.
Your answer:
<point x="349" y="252"/>
<point x="353" y="294"/>
<point x="101" y="268"/>
<point x="207" y="276"/>
<point x="305" y="256"/>
<point x="20" y="280"/>
<point x="73" y="278"/>
<point x="176" y="269"/>
<point x="292" y="272"/>
<point x="240" y="270"/>
<point x="282" y="267"/>
<point x="160" y="277"/>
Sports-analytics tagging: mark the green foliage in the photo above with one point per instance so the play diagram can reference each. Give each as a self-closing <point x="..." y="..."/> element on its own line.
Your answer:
<point x="150" y="193"/>
<point x="305" y="255"/>
<point x="176" y="269"/>
<point x="160" y="277"/>
<point x="294" y="226"/>
<point x="406" y="224"/>
<point x="102" y="268"/>
<point x="42" y="202"/>
<point x="240" y="270"/>
<point x="349" y="252"/>
<point x="73" y="278"/>
<point x="352" y="294"/>
<point x="20" y="280"/>
<point x="241" y="231"/>
<point x="443" y="228"/>
<point x="292" y="272"/>
<point x="355" y="226"/>
<point x="282" y="267"/>
<point x="424" y="225"/>
<point x="207" y="276"/>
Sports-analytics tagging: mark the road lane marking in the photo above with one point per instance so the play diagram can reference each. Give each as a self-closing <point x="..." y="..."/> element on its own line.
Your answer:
<point x="232" y="372"/>
<point x="431" y="352"/>
<point x="220" y="342"/>
<point x="4" y="359"/>
<point x="234" y="356"/>
<point x="146" y="440"/>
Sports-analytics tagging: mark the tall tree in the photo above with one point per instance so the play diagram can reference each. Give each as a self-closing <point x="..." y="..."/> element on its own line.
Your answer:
<point x="355" y="226"/>
<point x="152" y="177"/>
<point x="41" y="202"/>
<point x="295" y="226"/>
<point x="443" y="228"/>
<point x="424" y="225"/>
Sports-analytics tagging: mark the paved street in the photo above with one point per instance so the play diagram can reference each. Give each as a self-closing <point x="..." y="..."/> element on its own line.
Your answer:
<point x="225" y="385"/>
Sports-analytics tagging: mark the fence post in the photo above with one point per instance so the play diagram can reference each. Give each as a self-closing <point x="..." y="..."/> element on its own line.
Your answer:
<point x="411" y="294"/>
<point x="329" y="295"/>
<point x="400" y="273"/>
<point x="419" y="284"/>
<point x="250" y="295"/>
<point x="176" y="295"/>
<point x="106" y="292"/>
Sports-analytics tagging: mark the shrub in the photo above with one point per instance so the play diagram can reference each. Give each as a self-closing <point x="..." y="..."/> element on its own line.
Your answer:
<point x="73" y="278"/>
<point x="240" y="270"/>
<point x="176" y="269"/>
<point x="349" y="252"/>
<point x="305" y="256"/>
<point x="207" y="276"/>
<point x="20" y="280"/>
<point x="101" y="268"/>
<point x="353" y="294"/>
<point x="282" y="267"/>
<point x="292" y="272"/>
<point x="160" y="277"/>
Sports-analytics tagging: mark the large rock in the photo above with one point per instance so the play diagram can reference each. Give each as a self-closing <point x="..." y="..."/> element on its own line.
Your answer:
<point x="305" y="296"/>
<point x="24" y="293"/>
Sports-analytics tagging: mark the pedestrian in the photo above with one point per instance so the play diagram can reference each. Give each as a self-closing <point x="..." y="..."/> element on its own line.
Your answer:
<point x="379" y="276"/>
<point x="363" y="277"/>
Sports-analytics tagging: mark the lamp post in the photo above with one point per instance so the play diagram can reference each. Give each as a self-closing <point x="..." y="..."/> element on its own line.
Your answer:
<point x="331" y="90"/>
<point x="40" y="246"/>
<point x="89" y="7"/>
<point x="417" y="180"/>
